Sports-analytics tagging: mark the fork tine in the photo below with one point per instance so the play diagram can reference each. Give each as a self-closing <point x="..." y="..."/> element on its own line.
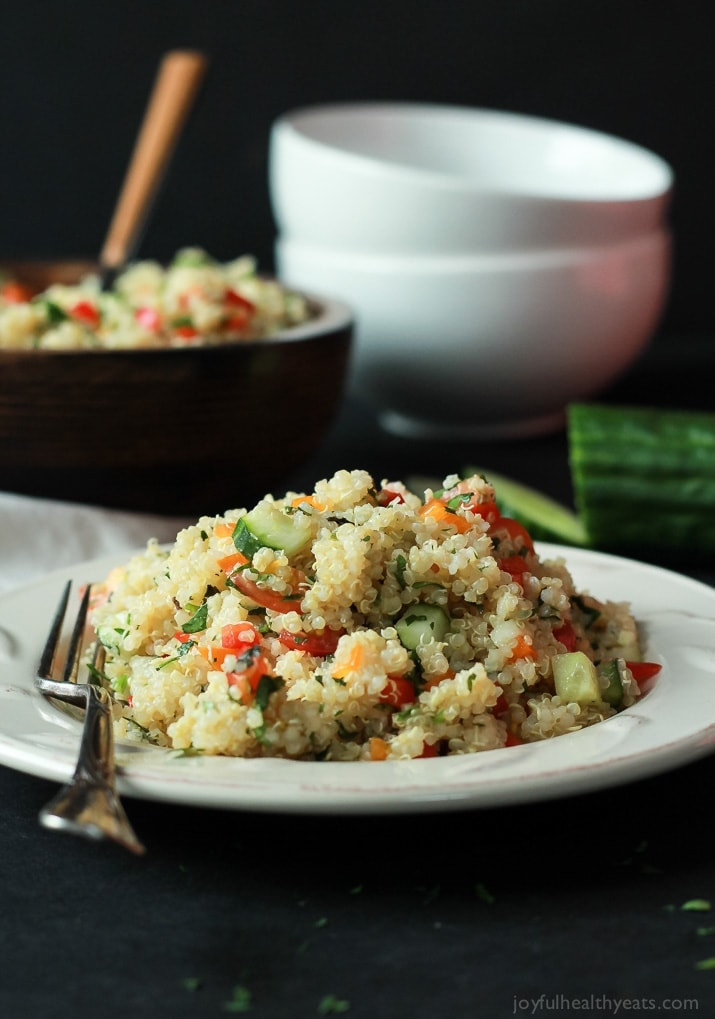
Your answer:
<point x="49" y="651"/>
<point x="88" y="804"/>
<point x="75" y="646"/>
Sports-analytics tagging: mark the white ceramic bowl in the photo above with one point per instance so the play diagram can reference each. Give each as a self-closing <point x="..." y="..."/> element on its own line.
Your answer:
<point x="489" y="346"/>
<point x="412" y="177"/>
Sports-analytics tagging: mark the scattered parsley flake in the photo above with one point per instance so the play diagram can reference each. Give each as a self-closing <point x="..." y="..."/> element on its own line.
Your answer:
<point x="198" y="620"/>
<point x="697" y="905"/>
<point x="191" y="984"/>
<point x="185" y="648"/>
<point x="266" y="686"/>
<point x="321" y="921"/>
<point x="706" y="963"/>
<point x="330" y="1005"/>
<point x="705" y="932"/>
<point x="241" y="1000"/>
<point x="483" y="893"/>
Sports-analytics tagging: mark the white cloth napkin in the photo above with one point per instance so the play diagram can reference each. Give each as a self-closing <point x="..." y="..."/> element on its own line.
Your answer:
<point x="38" y="536"/>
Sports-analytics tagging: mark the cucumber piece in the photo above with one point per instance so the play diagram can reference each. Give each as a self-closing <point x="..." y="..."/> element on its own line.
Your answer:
<point x="576" y="678"/>
<point x="420" y="624"/>
<point x="110" y="637"/>
<point x="544" y="518"/>
<point x="267" y="526"/>
<point x="643" y="478"/>
<point x="610" y="673"/>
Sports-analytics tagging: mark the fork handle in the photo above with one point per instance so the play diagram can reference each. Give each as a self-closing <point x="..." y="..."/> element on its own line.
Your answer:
<point x="88" y="804"/>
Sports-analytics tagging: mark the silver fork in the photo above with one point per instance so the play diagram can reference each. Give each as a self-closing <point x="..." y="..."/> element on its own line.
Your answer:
<point x="88" y="805"/>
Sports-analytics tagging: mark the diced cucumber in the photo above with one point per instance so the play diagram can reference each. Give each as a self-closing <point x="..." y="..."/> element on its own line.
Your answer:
<point x="642" y="477"/>
<point x="110" y="637"/>
<point x="544" y="518"/>
<point x="270" y="527"/>
<point x="420" y="624"/>
<point x="610" y="673"/>
<point x="576" y="679"/>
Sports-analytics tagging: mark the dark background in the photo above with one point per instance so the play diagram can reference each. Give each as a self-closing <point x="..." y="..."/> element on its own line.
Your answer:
<point x="75" y="76"/>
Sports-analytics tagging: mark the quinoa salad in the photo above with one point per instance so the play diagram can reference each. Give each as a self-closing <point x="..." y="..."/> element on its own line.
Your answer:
<point x="359" y="622"/>
<point x="193" y="301"/>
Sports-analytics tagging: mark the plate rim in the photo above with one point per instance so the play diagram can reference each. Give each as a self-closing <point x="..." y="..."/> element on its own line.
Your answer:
<point x="434" y="785"/>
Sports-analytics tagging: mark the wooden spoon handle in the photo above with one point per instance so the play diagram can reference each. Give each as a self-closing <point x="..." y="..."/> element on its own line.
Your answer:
<point x="176" y="85"/>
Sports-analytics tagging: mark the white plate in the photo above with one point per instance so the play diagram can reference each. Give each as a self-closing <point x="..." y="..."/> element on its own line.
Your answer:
<point x="673" y="724"/>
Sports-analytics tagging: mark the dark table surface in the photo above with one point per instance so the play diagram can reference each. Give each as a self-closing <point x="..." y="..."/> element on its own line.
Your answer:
<point x="573" y="905"/>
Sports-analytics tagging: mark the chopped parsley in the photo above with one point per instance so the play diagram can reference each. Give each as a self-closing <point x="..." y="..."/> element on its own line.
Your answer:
<point x="266" y="686"/>
<point x="245" y="541"/>
<point x="197" y="623"/>
<point x="241" y="1001"/>
<point x="458" y="500"/>
<point x="330" y="1005"/>
<point x="54" y="312"/>
<point x="483" y="893"/>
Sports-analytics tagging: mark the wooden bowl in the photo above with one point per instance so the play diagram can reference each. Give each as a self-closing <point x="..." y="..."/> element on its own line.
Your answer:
<point x="184" y="432"/>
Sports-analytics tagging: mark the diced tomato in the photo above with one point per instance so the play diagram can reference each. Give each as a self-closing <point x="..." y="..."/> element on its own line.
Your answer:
<point x="236" y="323"/>
<point x="87" y="313"/>
<point x="514" y="565"/>
<point x="186" y="332"/>
<point x="429" y="750"/>
<point x="149" y="318"/>
<point x="642" y="671"/>
<point x="241" y="311"/>
<point x="261" y="596"/>
<point x="239" y="635"/>
<point x="399" y="691"/>
<point x="501" y="707"/>
<point x="387" y="495"/>
<point x="566" y="635"/>
<point x="488" y="511"/>
<point x="183" y="637"/>
<point x="317" y="644"/>
<point x="15" y="293"/>
<point x="512" y="740"/>
<point x="515" y="530"/>
<point x="236" y="300"/>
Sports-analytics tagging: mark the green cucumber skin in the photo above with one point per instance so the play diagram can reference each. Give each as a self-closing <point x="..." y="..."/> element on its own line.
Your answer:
<point x="275" y="529"/>
<point x="644" y="478"/>
<point x="613" y="692"/>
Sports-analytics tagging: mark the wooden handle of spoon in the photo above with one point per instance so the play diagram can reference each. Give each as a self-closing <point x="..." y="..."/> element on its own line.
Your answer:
<point x="177" y="83"/>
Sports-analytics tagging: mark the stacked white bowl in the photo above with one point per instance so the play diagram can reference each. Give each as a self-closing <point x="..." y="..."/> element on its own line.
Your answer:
<point x="499" y="266"/>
